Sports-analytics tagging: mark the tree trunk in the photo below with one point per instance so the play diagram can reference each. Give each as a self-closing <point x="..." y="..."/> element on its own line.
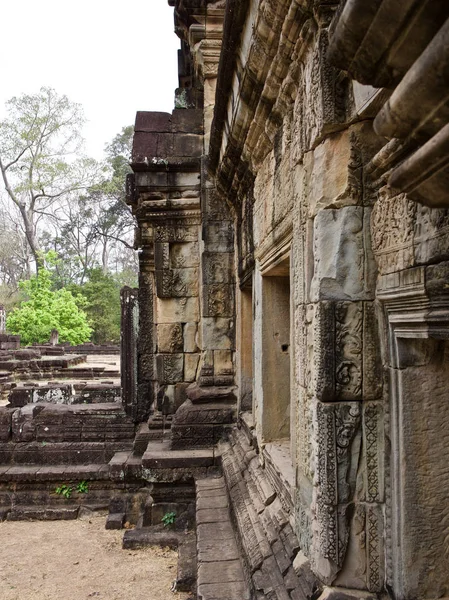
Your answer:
<point x="105" y="257"/>
<point x="31" y="237"/>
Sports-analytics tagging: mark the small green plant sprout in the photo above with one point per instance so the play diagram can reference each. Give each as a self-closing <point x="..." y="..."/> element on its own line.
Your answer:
<point x="64" y="490"/>
<point x="168" y="519"/>
<point x="82" y="487"/>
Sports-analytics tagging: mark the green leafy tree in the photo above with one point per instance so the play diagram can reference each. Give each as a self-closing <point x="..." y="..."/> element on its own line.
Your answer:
<point x="102" y="305"/>
<point x="45" y="310"/>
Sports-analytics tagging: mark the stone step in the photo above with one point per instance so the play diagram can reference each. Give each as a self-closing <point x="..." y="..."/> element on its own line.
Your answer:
<point x="39" y="473"/>
<point x="115" y="520"/>
<point x="146" y="536"/>
<point x="220" y="572"/>
<point x="161" y="464"/>
<point x="42" y="513"/>
<point x="264" y="531"/>
<point x="141" y="439"/>
<point x="158" y="455"/>
<point x="42" y="453"/>
<point x="125" y="465"/>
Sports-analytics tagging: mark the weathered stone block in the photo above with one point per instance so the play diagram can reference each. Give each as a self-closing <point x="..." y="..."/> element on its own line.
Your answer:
<point x="331" y="180"/>
<point x="215" y="205"/>
<point x="213" y="549"/>
<point x="165" y="146"/>
<point x="343" y="265"/>
<point x="186" y="144"/>
<point x="336" y="349"/>
<point x="217" y="267"/>
<point x="144" y="146"/>
<point x="183" y="179"/>
<point x="191" y="362"/>
<point x="177" y="283"/>
<point x="372" y="363"/>
<point x="6" y="423"/>
<point x="145" y="367"/>
<point x="161" y="256"/>
<point x="219" y="236"/>
<point x="321" y="103"/>
<point x="170" y="338"/>
<point x="190" y="334"/>
<point x="187" y="121"/>
<point x="217" y="333"/>
<point x="206" y="413"/>
<point x="353" y="574"/>
<point x="170" y="368"/>
<point x="192" y="436"/>
<point x="393" y="246"/>
<point x="115" y="521"/>
<point x="184" y="255"/>
<point x="218" y="300"/>
<point x="220" y="572"/>
<point x="223" y="364"/>
<point x="235" y="590"/>
<point x="177" y="310"/>
<point x="338" y="450"/>
<point x="176" y="230"/>
<point x="153" y="121"/>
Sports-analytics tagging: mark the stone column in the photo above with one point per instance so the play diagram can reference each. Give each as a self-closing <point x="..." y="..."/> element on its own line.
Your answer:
<point x="128" y="350"/>
<point x="166" y="202"/>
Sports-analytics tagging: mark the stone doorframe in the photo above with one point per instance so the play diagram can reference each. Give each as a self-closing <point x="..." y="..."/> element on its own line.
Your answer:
<point x="273" y="260"/>
<point x="415" y="306"/>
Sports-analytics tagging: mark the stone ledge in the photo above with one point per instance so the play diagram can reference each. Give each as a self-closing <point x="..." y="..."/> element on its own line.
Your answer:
<point x="220" y="573"/>
<point x="144" y="537"/>
<point x="159" y="456"/>
<point x="47" y="513"/>
<point x="337" y="593"/>
<point x="236" y="590"/>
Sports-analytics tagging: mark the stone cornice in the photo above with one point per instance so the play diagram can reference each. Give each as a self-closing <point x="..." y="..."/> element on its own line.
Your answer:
<point x="267" y="85"/>
<point x="403" y="46"/>
<point x="235" y="15"/>
<point x="417" y="301"/>
<point x="275" y="249"/>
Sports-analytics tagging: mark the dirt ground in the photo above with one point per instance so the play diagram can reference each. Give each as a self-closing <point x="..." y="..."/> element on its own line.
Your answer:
<point x="79" y="560"/>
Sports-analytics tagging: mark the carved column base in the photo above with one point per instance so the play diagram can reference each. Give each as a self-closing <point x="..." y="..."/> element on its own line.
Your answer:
<point x="203" y="424"/>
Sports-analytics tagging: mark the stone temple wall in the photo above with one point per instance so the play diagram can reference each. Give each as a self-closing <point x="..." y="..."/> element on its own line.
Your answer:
<point x="309" y="208"/>
<point x="310" y="225"/>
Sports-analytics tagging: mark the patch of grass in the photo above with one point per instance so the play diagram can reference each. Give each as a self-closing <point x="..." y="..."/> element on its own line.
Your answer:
<point x="168" y="519"/>
<point x="64" y="490"/>
<point x="82" y="487"/>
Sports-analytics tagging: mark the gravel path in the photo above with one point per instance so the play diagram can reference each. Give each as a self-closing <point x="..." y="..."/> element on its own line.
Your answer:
<point x="79" y="560"/>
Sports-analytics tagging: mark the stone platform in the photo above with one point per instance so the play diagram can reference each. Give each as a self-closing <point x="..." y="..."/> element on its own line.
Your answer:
<point x="220" y="571"/>
<point x="28" y="376"/>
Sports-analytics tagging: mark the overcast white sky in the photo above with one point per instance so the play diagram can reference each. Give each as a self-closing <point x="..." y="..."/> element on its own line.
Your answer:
<point x="114" y="57"/>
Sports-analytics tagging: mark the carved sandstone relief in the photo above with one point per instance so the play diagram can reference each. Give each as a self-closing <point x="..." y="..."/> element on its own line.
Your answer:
<point x="431" y="234"/>
<point x="392" y="231"/>
<point x="323" y="102"/>
<point x="338" y="446"/>
<point x="177" y="283"/>
<point x="333" y="368"/>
